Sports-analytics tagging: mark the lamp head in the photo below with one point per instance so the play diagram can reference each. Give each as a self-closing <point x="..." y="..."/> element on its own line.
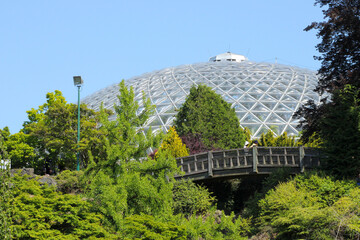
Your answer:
<point x="78" y="81"/>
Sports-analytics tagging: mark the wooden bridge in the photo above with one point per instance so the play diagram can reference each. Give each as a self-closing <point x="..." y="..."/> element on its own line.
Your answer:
<point x="246" y="161"/>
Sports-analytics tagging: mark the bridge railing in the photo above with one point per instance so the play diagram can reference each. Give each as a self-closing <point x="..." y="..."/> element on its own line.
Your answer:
<point x="248" y="160"/>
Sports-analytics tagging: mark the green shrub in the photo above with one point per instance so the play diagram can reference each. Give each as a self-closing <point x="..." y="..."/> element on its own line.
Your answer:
<point x="147" y="227"/>
<point x="69" y="181"/>
<point x="190" y="198"/>
<point x="312" y="207"/>
<point x="216" y="225"/>
<point x="42" y="213"/>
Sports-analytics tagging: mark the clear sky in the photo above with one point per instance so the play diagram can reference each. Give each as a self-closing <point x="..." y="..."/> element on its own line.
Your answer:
<point x="43" y="43"/>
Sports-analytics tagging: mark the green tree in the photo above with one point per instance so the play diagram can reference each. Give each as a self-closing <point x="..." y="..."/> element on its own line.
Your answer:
<point x="52" y="132"/>
<point x="340" y="43"/>
<point x="127" y="182"/>
<point x="207" y="115"/>
<point x="340" y="131"/>
<point x="5" y="190"/>
<point x="20" y="152"/>
<point x="339" y="55"/>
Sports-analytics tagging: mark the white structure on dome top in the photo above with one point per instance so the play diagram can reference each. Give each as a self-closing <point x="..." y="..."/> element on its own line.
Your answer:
<point x="228" y="56"/>
<point x="264" y="95"/>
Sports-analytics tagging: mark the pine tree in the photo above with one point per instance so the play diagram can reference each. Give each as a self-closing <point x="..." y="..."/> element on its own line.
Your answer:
<point x="207" y="116"/>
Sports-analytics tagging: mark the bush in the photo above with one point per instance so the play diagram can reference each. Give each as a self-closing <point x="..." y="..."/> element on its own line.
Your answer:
<point x="69" y="181"/>
<point x="173" y="143"/>
<point x="40" y="212"/>
<point x="147" y="227"/>
<point x="312" y="207"/>
<point x="216" y="225"/>
<point x="190" y="198"/>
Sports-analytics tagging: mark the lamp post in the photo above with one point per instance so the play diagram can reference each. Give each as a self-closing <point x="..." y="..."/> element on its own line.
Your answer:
<point x="78" y="82"/>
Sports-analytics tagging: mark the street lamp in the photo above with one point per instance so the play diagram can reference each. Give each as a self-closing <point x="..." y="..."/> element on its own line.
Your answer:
<point x="78" y="82"/>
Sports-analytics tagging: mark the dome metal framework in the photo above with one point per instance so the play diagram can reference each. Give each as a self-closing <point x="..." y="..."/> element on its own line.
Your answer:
<point x="264" y="95"/>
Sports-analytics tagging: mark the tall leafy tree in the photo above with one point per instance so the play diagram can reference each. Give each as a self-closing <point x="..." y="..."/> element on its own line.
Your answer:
<point x="340" y="131"/>
<point x="339" y="72"/>
<point x="52" y="132"/>
<point x="339" y="48"/>
<point x="206" y="115"/>
<point x="128" y="182"/>
<point x="339" y="55"/>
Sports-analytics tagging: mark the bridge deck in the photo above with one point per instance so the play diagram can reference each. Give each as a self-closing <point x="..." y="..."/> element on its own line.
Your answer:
<point x="245" y="161"/>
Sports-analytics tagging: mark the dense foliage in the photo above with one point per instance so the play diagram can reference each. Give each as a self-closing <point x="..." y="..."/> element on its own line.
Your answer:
<point x="5" y="191"/>
<point x="48" y="140"/>
<point x="173" y="144"/>
<point x="336" y="121"/>
<point x="340" y="131"/>
<point x="312" y="207"/>
<point x="52" y="129"/>
<point x="339" y="48"/>
<point x="40" y="213"/>
<point x="190" y="198"/>
<point x="210" y="118"/>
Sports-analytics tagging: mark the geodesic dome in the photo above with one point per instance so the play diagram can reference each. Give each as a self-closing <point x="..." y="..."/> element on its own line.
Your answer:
<point x="264" y="95"/>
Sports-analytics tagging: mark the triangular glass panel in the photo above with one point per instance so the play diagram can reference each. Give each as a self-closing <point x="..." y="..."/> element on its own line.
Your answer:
<point x="291" y="105"/>
<point x="244" y="88"/>
<point x="280" y="88"/>
<point x="276" y="128"/>
<point x="290" y="131"/>
<point x="165" y="118"/>
<point x="178" y="98"/>
<point x="234" y="95"/>
<point x="281" y="107"/>
<point x="269" y="105"/>
<point x="285" y="115"/>
<point x="293" y="90"/>
<point x="156" y="122"/>
<point x="162" y="108"/>
<point x="268" y="98"/>
<point x="256" y="96"/>
<point x="238" y="107"/>
<point x="274" y="90"/>
<point x="252" y="127"/>
<point x="288" y="98"/>
<point x="171" y="110"/>
<point x="276" y="95"/>
<point x="261" y="115"/>
<point x="249" y="118"/>
<point x="240" y="114"/>
<point x="246" y="97"/>
<point x="275" y="119"/>
<point x="261" y="108"/>
<point x="262" y="130"/>
<point x="248" y="105"/>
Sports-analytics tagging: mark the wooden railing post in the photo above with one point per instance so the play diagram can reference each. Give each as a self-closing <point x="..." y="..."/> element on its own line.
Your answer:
<point x="302" y="156"/>
<point x="210" y="164"/>
<point x="255" y="159"/>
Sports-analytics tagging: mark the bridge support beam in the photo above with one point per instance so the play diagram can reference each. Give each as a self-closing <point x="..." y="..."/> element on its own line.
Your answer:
<point x="210" y="164"/>
<point x="255" y="159"/>
<point x="301" y="160"/>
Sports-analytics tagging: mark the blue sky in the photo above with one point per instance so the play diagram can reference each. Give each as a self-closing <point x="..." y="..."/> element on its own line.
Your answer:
<point x="43" y="44"/>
